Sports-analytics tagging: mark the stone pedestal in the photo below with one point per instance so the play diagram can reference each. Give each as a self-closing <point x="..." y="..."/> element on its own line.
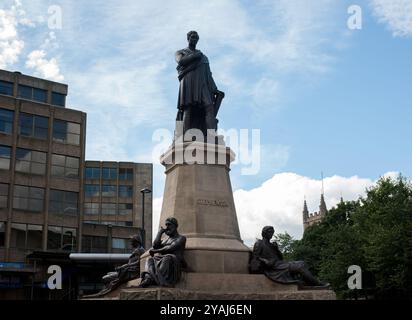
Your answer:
<point x="198" y="193"/>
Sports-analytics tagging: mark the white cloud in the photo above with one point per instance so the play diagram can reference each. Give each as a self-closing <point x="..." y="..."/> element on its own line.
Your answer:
<point x="130" y="70"/>
<point x="44" y="68"/>
<point x="397" y="14"/>
<point x="11" y="45"/>
<point x="279" y="202"/>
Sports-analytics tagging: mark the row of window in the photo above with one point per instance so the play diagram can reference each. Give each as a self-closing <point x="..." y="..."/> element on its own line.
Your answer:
<point x="113" y="223"/>
<point x="92" y="208"/>
<point x="98" y="244"/>
<point x="93" y="190"/>
<point x="30" y="237"/>
<point x="92" y="173"/>
<point x="32" y="199"/>
<point x="61" y="202"/>
<point x="30" y="93"/>
<point x="34" y="126"/>
<point x="34" y="162"/>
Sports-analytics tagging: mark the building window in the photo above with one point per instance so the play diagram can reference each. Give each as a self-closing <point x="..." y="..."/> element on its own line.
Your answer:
<point x="26" y="236"/>
<point x="109" y="191"/>
<point x="92" y="173"/>
<point x="5" y="155"/>
<point x="18" y="236"/>
<point x="124" y="223"/>
<point x="2" y="234"/>
<point x="58" y="99"/>
<point x="59" y="238"/>
<point x="91" y="222"/>
<point x="94" y="244"/>
<point x="69" y="239"/>
<point x="25" y="92"/>
<point x="125" y="191"/>
<point x="125" y="208"/>
<point x="28" y="198"/>
<point x="91" y="208"/>
<point x="54" y="238"/>
<point x="34" y="237"/>
<point x="31" y="93"/>
<point x="29" y="161"/>
<point x="65" y="166"/>
<point x="108" y="223"/>
<point x="125" y="174"/>
<point x="63" y="202"/>
<point x="4" y="195"/>
<point x="120" y="245"/>
<point x="33" y="126"/>
<point x="6" y="88"/>
<point x="109" y="208"/>
<point x="66" y="132"/>
<point x="91" y="190"/>
<point x="109" y="173"/>
<point x="6" y="121"/>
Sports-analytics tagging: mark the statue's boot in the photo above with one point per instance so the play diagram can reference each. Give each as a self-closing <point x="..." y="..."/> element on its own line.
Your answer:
<point x="146" y="282"/>
<point x="310" y="280"/>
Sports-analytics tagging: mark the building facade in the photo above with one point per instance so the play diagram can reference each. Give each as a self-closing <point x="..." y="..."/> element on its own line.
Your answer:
<point x="113" y="195"/>
<point x="42" y="150"/>
<point x="44" y="180"/>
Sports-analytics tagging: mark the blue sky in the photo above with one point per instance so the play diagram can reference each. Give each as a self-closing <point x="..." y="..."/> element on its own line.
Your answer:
<point x="325" y="98"/>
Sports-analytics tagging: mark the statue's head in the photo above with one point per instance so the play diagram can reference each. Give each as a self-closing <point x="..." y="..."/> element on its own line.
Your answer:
<point x="136" y="240"/>
<point x="171" y="225"/>
<point x="268" y="232"/>
<point x="192" y="38"/>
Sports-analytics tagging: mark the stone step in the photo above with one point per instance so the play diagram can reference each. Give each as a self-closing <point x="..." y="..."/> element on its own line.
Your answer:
<point x="180" y="294"/>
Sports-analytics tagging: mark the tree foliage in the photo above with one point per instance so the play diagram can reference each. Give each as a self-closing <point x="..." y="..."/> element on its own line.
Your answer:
<point x="374" y="233"/>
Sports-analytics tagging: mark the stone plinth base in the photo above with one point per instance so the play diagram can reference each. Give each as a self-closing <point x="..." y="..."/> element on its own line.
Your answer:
<point x="215" y="286"/>
<point x="179" y="294"/>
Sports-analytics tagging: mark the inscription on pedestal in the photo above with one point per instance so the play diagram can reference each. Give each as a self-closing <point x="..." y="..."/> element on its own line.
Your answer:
<point x="214" y="203"/>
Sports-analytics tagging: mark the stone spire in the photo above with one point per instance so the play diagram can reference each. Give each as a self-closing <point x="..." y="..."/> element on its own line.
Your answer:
<point x="322" y="207"/>
<point x="305" y="212"/>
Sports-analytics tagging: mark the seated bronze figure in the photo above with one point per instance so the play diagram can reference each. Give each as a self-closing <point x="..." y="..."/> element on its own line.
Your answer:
<point x="165" y="265"/>
<point x="126" y="272"/>
<point x="268" y="259"/>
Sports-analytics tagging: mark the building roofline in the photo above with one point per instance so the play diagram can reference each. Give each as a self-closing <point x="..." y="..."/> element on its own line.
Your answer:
<point x="22" y="75"/>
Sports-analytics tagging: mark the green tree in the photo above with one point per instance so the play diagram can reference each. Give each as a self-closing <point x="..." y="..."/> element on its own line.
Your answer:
<point x="286" y="244"/>
<point x="374" y="232"/>
<point x="342" y="247"/>
<point x="384" y="225"/>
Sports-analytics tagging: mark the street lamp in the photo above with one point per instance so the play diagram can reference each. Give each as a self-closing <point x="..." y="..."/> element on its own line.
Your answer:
<point x="143" y="192"/>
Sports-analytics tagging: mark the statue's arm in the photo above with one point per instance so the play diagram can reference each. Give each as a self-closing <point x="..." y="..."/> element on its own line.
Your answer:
<point x="157" y="242"/>
<point x="184" y="60"/>
<point x="173" y="247"/>
<point x="257" y="249"/>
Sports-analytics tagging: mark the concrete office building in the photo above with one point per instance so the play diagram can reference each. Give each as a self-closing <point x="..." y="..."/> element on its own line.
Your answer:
<point x="113" y="195"/>
<point x="43" y="213"/>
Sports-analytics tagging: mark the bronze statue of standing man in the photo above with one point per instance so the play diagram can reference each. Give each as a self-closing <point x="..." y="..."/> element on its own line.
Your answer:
<point x="199" y="99"/>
